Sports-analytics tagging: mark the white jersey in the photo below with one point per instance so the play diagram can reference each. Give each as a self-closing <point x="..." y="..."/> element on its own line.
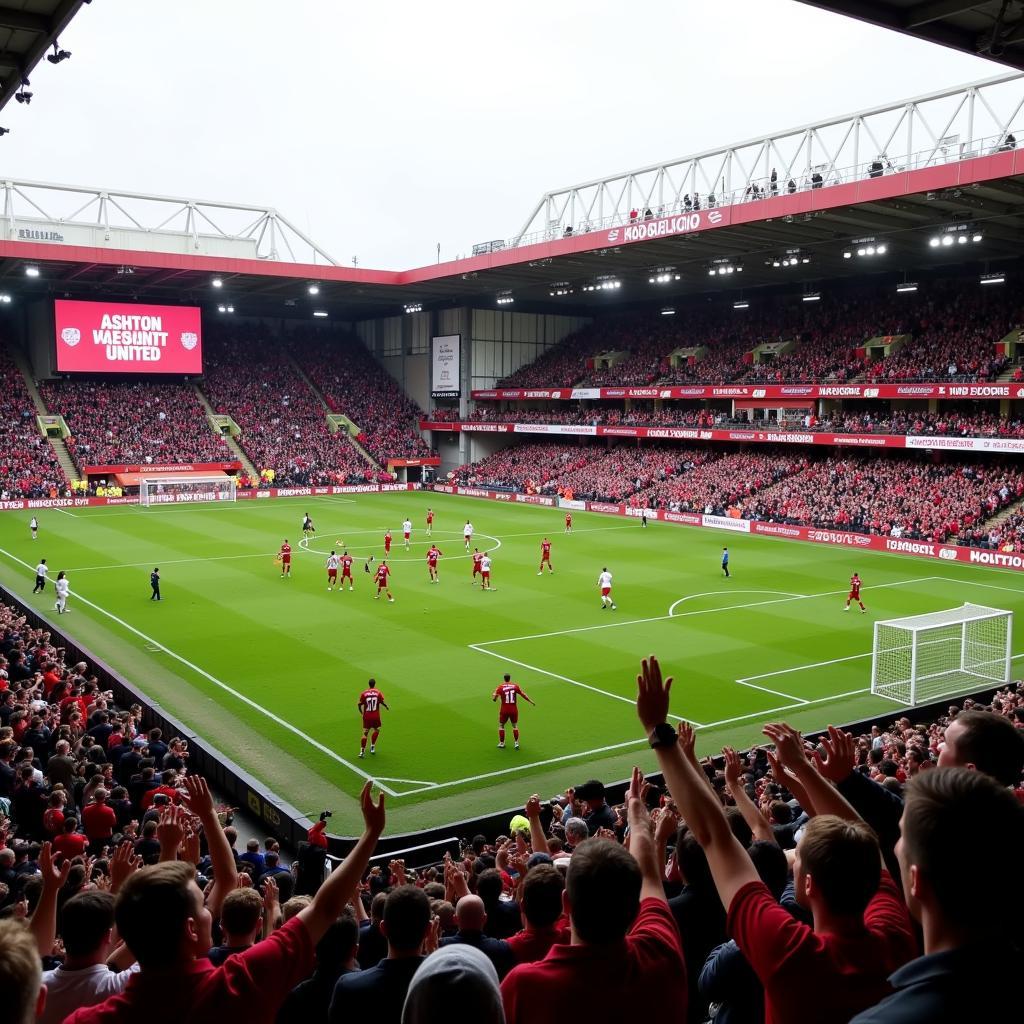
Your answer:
<point x="467" y="530"/>
<point x="407" y="526"/>
<point x="41" y="569"/>
<point x="333" y="562"/>
<point x="62" y="587"/>
<point x="33" y="523"/>
<point x="604" y="580"/>
<point x="485" y="564"/>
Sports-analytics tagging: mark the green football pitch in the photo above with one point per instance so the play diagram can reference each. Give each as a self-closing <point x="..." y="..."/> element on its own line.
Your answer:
<point x="269" y="669"/>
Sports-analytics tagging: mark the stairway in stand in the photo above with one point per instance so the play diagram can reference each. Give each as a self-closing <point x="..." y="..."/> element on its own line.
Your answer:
<point x="233" y="445"/>
<point x="327" y="409"/>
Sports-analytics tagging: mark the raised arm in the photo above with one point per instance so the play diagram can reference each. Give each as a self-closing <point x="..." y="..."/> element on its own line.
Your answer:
<point x="698" y="805"/>
<point x="538" y="840"/>
<point x="225" y="875"/>
<point x="43" y="923"/>
<point x="642" y="844"/>
<point x="734" y="783"/>
<point x="342" y="882"/>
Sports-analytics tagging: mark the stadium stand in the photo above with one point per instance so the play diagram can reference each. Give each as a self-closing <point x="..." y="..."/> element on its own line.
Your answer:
<point x="133" y="422"/>
<point x="28" y="467"/>
<point x="953" y="332"/>
<point x="105" y="821"/>
<point x="249" y="376"/>
<point x="354" y="383"/>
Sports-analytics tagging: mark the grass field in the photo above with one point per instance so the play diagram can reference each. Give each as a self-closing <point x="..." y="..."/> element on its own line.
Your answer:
<point x="269" y="670"/>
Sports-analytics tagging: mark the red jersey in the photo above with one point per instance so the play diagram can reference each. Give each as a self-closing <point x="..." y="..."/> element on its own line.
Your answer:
<point x="432" y="556"/>
<point x="430" y="518"/>
<point x="477" y="559"/>
<point x="346" y="565"/>
<point x="286" y="552"/>
<point x="855" y="585"/>
<point x="387" y="540"/>
<point x="383" y="571"/>
<point x="568" y="519"/>
<point x="545" y="549"/>
<point x="371" y="701"/>
<point x="509" y="693"/>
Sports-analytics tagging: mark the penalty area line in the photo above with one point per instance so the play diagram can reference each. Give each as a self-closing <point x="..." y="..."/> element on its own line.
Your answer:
<point x="216" y="682"/>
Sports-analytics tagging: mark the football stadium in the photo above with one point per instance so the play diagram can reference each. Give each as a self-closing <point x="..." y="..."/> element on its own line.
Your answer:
<point x="351" y="595"/>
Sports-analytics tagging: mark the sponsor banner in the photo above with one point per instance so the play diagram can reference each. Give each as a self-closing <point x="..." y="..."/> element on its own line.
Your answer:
<point x="972" y="444"/>
<point x="662" y="227"/>
<point x="573" y="429"/>
<point x="770" y="392"/>
<point x="445" y="366"/>
<point x="535" y="499"/>
<point x="601" y="506"/>
<point x="155" y="468"/>
<point x="434" y="461"/>
<point x="127" y="337"/>
<point x="572" y="504"/>
<point x="689" y="518"/>
<point x="726" y="523"/>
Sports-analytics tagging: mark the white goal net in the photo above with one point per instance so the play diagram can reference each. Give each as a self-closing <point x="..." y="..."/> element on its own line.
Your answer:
<point x="192" y="489"/>
<point x="925" y="657"/>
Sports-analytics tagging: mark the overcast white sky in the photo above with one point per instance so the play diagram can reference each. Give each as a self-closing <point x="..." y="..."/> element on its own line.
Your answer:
<point x="385" y="128"/>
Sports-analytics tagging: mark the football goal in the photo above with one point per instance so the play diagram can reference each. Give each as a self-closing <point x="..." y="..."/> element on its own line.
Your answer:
<point x="171" y="490"/>
<point x="923" y="658"/>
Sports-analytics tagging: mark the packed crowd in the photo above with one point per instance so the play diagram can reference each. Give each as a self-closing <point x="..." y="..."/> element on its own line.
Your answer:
<point x="355" y="384"/>
<point x="28" y="466"/>
<point x="781" y="884"/>
<point x="283" y="425"/>
<point x="133" y="422"/>
<point x="953" y="327"/>
<point x="888" y="496"/>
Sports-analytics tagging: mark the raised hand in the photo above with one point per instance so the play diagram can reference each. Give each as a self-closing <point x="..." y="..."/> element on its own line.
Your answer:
<point x="652" y="694"/>
<point x="198" y="798"/>
<point x="170" y="831"/>
<point x="532" y="808"/>
<point x="123" y="865"/>
<point x="53" y="877"/>
<point x="270" y="895"/>
<point x="373" y="813"/>
<point x="733" y="767"/>
<point x="789" y="748"/>
<point x="687" y="741"/>
<point x="666" y="827"/>
<point x="840" y="755"/>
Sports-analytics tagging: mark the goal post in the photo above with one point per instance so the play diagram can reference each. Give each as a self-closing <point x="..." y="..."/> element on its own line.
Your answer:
<point x="171" y="490"/>
<point x="921" y="658"/>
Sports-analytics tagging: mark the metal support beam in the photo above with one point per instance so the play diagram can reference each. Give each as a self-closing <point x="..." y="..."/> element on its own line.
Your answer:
<point x="935" y="10"/>
<point x="23" y="21"/>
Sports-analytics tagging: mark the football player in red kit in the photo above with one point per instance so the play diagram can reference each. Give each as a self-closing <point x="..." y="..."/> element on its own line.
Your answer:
<point x="568" y="522"/>
<point x="430" y="521"/>
<point x="371" y="700"/>
<point x="477" y="559"/>
<point x="545" y="556"/>
<point x="432" y="556"/>
<point x="285" y="554"/>
<point x="854" y="594"/>
<point x="346" y="569"/>
<point x="508" y="693"/>
<point x="383" y="572"/>
<point x="387" y="544"/>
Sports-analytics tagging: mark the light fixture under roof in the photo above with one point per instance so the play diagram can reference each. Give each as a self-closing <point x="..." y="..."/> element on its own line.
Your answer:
<point x="997" y="278"/>
<point x="811" y="296"/>
<point x="31" y="271"/>
<point x="668" y="311"/>
<point x="559" y="288"/>
<point x="313" y="288"/>
<point x="663" y="275"/>
<point x="958" y="234"/>
<point x="741" y="304"/>
<point x="413" y="307"/>
<point x="906" y="286"/>
<point x="505" y="298"/>
<point x="321" y="313"/>
<point x="217" y="282"/>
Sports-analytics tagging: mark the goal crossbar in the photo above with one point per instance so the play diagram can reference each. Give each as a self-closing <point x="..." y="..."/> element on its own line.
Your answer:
<point x="920" y="658"/>
<point x="166" y="489"/>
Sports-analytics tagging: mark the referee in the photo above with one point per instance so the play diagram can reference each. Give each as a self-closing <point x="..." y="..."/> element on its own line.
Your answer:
<point x="41" y="570"/>
<point x="154" y="582"/>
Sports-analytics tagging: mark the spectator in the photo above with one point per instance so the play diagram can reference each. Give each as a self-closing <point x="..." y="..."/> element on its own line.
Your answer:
<point x="241" y="920"/>
<point x="378" y="993"/>
<point x="471" y="917"/>
<point x="543" y="923"/>
<point x="21" y="993"/>
<point x="336" y="957"/>
<point x="458" y="985"/>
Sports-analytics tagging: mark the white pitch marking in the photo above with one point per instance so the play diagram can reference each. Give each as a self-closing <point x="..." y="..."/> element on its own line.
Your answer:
<point x="774" y="693"/>
<point x="714" y="593"/>
<point x="217" y="682"/>
<point x="410" y="782"/>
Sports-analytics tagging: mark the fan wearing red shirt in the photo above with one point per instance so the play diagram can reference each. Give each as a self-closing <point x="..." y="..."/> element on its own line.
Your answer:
<point x="624" y="942"/>
<point x="430" y="521"/>
<point x="508" y="710"/>
<point x="862" y="931"/>
<point x="285" y="554"/>
<point x="162" y="919"/>
<point x="383" y="572"/>
<point x="371" y="700"/>
<point x="568" y="522"/>
<point x="387" y="544"/>
<point x="432" y="556"/>
<point x="854" y="594"/>
<point x="99" y="820"/>
<point x="346" y="570"/>
<point x="477" y="559"/>
<point x="70" y="844"/>
<point x="545" y="556"/>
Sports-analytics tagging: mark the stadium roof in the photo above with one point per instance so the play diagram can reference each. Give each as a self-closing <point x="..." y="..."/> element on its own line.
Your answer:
<point x="28" y="28"/>
<point x="993" y="29"/>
